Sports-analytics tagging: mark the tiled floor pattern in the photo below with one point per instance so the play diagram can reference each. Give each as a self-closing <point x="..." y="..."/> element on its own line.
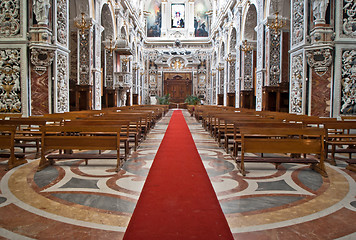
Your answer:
<point x="74" y="201"/>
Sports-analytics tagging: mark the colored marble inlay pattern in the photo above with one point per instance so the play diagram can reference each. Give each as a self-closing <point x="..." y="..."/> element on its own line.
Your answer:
<point x="74" y="200"/>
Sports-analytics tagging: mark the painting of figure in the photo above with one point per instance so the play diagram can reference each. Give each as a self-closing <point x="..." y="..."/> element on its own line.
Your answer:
<point x="154" y="20"/>
<point x="178" y="15"/>
<point x="201" y="20"/>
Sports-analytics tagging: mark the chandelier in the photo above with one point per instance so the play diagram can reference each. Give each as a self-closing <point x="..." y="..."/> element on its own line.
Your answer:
<point x="246" y="47"/>
<point x="110" y="45"/>
<point x="83" y="24"/>
<point x="229" y="58"/>
<point x="277" y="24"/>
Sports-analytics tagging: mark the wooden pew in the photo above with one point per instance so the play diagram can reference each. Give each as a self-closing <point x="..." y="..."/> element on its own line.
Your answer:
<point x="7" y="140"/>
<point x="263" y="123"/>
<point x="77" y="137"/>
<point x="282" y="141"/>
<point x="340" y="134"/>
<point x="123" y="124"/>
<point x="352" y="164"/>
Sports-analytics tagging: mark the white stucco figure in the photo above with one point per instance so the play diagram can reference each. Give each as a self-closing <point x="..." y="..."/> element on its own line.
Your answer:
<point x="319" y="10"/>
<point x="41" y="9"/>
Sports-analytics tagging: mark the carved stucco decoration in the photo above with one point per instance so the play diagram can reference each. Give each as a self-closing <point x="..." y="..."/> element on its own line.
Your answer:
<point x="298" y="22"/>
<point x="248" y="71"/>
<point x="349" y="12"/>
<point x="109" y="70"/>
<point x="232" y="76"/>
<point x="152" y="84"/>
<point x="62" y="22"/>
<point x="62" y="83"/>
<point x="10" y="18"/>
<point x="296" y="95"/>
<point x="348" y="81"/>
<point x="41" y="59"/>
<point x="84" y="58"/>
<point x="275" y="59"/>
<point x="41" y="10"/>
<point x="320" y="60"/>
<point x="10" y="81"/>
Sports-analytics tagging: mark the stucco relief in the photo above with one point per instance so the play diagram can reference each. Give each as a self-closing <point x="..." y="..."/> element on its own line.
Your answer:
<point x="248" y="71"/>
<point x="297" y="76"/>
<point x="349" y="19"/>
<point x="348" y="80"/>
<point x="84" y="59"/>
<point x="62" y="22"/>
<point x="62" y="83"/>
<point x="10" y="81"/>
<point x="275" y="59"/>
<point x="10" y="18"/>
<point x="297" y="22"/>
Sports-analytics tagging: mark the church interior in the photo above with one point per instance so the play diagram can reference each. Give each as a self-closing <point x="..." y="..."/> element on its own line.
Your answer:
<point x="95" y="93"/>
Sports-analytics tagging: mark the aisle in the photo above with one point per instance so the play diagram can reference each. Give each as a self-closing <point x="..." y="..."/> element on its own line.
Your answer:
<point x="178" y="201"/>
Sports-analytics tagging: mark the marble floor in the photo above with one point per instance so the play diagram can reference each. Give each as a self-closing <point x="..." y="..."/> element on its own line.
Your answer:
<point x="71" y="200"/>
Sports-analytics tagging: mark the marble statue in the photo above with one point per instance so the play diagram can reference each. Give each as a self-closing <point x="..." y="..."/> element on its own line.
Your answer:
<point x="319" y="10"/>
<point x="41" y="9"/>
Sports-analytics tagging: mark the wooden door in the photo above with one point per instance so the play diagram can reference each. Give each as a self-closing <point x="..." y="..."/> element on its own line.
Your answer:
<point x="178" y="86"/>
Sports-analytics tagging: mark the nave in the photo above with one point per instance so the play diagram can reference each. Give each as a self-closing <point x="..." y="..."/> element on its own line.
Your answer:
<point x="73" y="201"/>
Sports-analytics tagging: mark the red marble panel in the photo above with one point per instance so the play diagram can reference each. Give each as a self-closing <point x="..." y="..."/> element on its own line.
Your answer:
<point x="285" y="57"/>
<point x="320" y="94"/>
<point x="28" y="224"/>
<point x="332" y="226"/>
<point x="39" y="93"/>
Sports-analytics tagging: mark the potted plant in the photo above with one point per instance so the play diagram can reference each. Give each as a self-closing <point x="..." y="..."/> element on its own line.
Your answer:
<point x="164" y="100"/>
<point x="192" y="100"/>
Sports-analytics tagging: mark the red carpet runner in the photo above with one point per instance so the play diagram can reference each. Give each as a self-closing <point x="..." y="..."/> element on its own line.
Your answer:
<point x="178" y="200"/>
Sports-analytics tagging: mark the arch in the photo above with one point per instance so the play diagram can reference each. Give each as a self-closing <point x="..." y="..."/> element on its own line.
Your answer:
<point x="222" y="52"/>
<point x="232" y="40"/>
<point x="250" y="23"/>
<point x="280" y="6"/>
<point x="77" y="7"/>
<point x="107" y="21"/>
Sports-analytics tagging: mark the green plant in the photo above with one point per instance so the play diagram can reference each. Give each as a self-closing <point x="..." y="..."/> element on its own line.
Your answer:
<point x="164" y="100"/>
<point x="192" y="100"/>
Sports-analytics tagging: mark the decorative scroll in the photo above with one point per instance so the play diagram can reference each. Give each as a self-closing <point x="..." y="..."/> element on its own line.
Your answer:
<point x="62" y="84"/>
<point x="62" y="22"/>
<point x="275" y="59"/>
<point x="296" y="95"/>
<point x="348" y="81"/>
<point x="320" y="60"/>
<point x="10" y="18"/>
<point x="41" y="59"/>
<point x="84" y="59"/>
<point x="10" y="90"/>
<point x="248" y="66"/>
<point x="349" y="12"/>
<point x="298" y="22"/>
